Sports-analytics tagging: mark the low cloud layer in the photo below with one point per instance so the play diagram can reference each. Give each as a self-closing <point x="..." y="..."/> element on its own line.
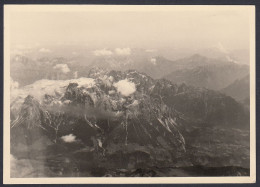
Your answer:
<point x="75" y="111"/>
<point x="116" y="51"/>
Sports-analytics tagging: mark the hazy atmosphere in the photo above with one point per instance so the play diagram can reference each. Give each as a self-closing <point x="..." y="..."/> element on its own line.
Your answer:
<point x="150" y="91"/>
<point x="180" y="29"/>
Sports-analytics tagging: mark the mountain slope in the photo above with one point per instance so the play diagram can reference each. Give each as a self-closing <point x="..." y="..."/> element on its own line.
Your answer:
<point x="212" y="76"/>
<point x="239" y="89"/>
<point x="202" y="105"/>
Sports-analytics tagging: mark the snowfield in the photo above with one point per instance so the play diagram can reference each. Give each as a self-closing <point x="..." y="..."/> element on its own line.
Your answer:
<point x="51" y="87"/>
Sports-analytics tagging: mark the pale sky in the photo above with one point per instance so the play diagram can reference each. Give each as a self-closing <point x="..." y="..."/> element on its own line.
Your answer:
<point x="148" y="29"/>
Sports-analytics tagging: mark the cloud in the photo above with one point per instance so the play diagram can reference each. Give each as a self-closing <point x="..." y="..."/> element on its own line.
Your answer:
<point x="153" y="61"/>
<point x="117" y="51"/>
<point x="97" y="112"/>
<point x="13" y="84"/>
<point x="103" y="52"/>
<point x="123" y="51"/>
<point x="62" y="67"/>
<point x="44" y="50"/>
<point x="125" y="87"/>
<point x="221" y="48"/>
<point x="21" y="167"/>
<point x="69" y="138"/>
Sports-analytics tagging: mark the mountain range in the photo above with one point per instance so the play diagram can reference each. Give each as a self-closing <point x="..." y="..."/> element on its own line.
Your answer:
<point x="196" y="70"/>
<point x="212" y="76"/>
<point x="125" y="123"/>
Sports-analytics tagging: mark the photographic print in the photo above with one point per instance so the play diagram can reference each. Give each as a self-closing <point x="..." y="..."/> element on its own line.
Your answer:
<point x="129" y="94"/>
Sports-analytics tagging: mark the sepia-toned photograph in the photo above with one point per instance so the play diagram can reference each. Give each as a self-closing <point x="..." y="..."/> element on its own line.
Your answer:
<point x="129" y="94"/>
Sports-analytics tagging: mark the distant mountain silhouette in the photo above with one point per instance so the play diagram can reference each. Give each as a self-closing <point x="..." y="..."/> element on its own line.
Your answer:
<point x="209" y="73"/>
<point x="239" y="89"/>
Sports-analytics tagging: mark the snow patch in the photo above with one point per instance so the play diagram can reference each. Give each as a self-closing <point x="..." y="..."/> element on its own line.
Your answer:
<point x="135" y="103"/>
<point x="67" y="101"/>
<point x="122" y="100"/>
<point x="51" y="87"/>
<point x="164" y="124"/>
<point x="69" y="138"/>
<point x="111" y="78"/>
<point x="99" y="142"/>
<point x="111" y="92"/>
<point x="125" y="87"/>
<point x="106" y="80"/>
<point x="85" y="82"/>
<point x="152" y="87"/>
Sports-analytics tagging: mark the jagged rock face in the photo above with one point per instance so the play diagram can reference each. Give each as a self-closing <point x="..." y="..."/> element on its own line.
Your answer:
<point x="98" y="124"/>
<point x="30" y="113"/>
<point x="102" y="118"/>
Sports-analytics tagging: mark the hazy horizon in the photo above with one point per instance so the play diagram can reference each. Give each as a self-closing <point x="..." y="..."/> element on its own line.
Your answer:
<point x="134" y="29"/>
